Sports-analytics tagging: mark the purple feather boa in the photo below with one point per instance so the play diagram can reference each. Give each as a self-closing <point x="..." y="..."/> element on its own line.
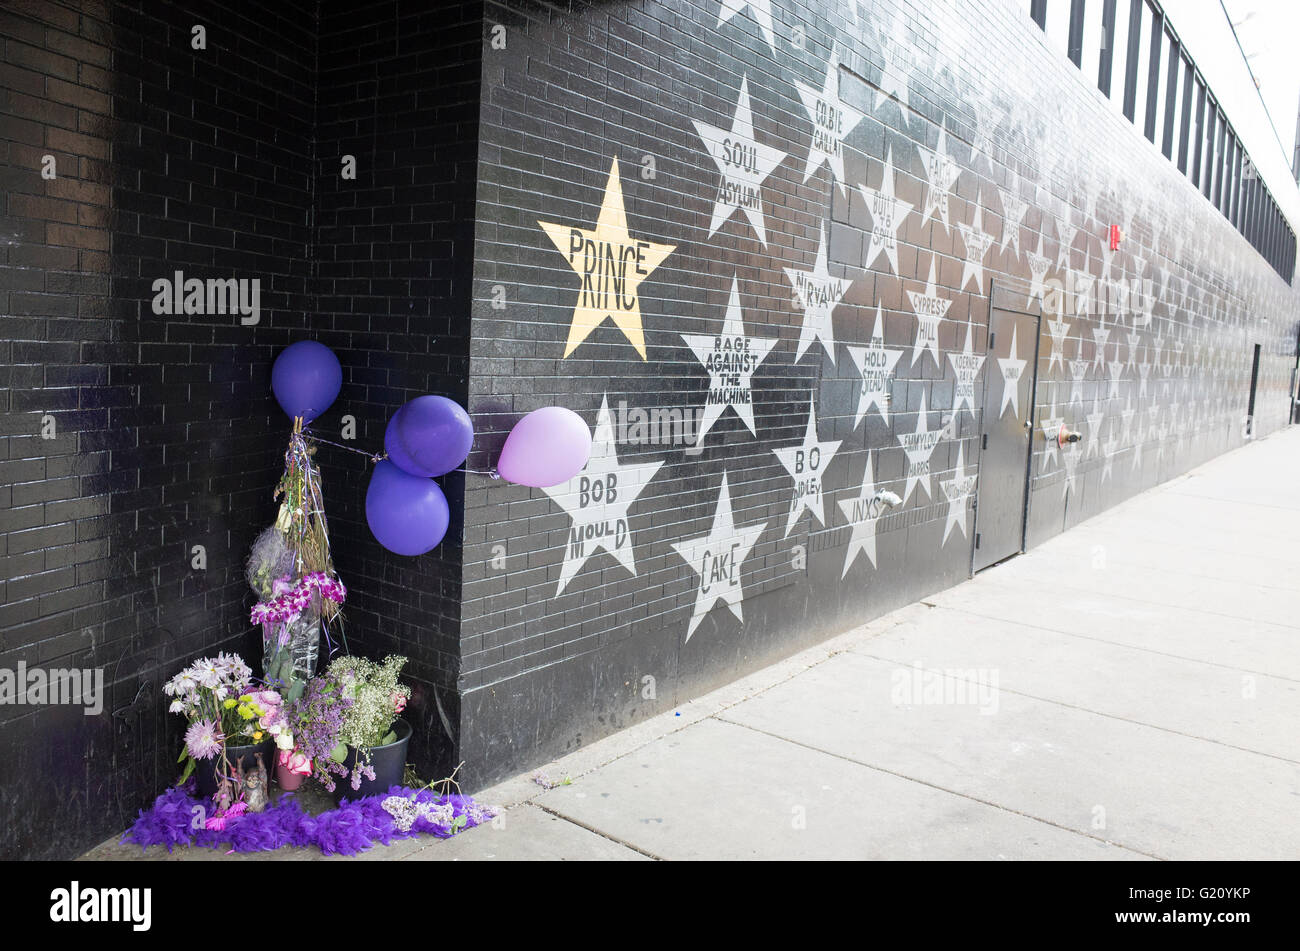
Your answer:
<point x="353" y="827"/>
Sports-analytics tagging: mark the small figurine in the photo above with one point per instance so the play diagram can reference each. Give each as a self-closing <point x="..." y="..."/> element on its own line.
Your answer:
<point x="253" y="784"/>
<point x="225" y="796"/>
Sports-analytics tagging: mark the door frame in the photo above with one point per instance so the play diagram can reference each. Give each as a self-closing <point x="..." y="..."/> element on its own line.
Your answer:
<point x="989" y="353"/>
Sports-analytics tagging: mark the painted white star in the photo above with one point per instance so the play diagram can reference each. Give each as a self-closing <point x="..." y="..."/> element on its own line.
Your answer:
<point x="731" y="359"/>
<point x="1068" y="233"/>
<point x="1095" y="420"/>
<point x="1070" y="458"/>
<point x="941" y="172"/>
<point x="876" y="364"/>
<point x="1083" y="282"/>
<point x="745" y="163"/>
<point x="818" y="294"/>
<point x="1114" y="371"/>
<point x="1126" y="422"/>
<point x="806" y="464"/>
<point x="966" y="367"/>
<point x="1012" y="369"/>
<point x="930" y="309"/>
<point x="1100" y="334"/>
<point x="1013" y="216"/>
<point x="597" y="500"/>
<point x="1057" y="329"/>
<point x="1051" y="427"/>
<point x="977" y="242"/>
<point x="1155" y="431"/>
<point x="987" y="119"/>
<point x="761" y="10"/>
<point x="957" y="490"/>
<point x="887" y="216"/>
<point x="832" y="120"/>
<point x="919" y="447"/>
<point x="863" y="513"/>
<point x="1038" y="265"/>
<point x="716" y="558"/>
<point x="1108" y="455"/>
<point x="1078" y="373"/>
<point x="898" y="63"/>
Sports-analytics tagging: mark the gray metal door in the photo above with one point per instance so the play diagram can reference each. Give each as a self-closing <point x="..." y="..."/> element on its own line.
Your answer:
<point x="1007" y="427"/>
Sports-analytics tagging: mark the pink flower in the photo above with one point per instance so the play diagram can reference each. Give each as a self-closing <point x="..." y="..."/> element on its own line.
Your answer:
<point x="296" y="762"/>
<point x="399" y="701"/>
<point x="219" y="822"/>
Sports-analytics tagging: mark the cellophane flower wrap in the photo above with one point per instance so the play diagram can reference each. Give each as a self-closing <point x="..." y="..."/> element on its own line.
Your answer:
<point x="291" y="570"/>
<point x="290" y="621"/>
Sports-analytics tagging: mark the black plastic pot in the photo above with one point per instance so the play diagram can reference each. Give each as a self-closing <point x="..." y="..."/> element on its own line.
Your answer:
<point x="205" y="774"/>
<point x="388" y="762"/>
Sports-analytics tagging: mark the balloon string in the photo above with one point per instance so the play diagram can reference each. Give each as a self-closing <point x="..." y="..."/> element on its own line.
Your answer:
<point x="379" y="457"/>
<point x="373" y="457"/>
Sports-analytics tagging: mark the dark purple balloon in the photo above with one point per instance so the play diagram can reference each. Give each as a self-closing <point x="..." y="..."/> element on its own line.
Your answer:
<point x="305" y="378"/>
<point x="429" y="436"/>
<point x="406" y="514"/>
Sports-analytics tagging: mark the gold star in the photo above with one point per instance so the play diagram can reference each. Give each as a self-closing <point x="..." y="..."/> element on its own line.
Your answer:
<point x="612" y="265"/>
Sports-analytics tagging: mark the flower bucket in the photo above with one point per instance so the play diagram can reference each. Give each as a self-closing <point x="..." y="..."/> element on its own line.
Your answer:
<point x="287" y="776"/>
<point x="287" y="779"/>
<point x="205" y="774"/>
<point x="388" y="762"/>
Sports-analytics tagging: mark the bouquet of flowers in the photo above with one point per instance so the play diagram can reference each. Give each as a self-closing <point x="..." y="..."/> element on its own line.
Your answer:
<point x="216" y="696"/>
<point x="290" y="620"/>
<point x="290" y="569"/>
<point x="353" y="704"/>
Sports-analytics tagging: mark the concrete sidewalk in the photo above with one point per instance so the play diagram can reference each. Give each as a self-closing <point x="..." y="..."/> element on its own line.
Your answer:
<point x="1147" y="675"/>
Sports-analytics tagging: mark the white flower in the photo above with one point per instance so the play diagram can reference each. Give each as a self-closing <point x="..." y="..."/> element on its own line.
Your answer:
<point x="284" y="741"/>
<point x="176" y="707"/>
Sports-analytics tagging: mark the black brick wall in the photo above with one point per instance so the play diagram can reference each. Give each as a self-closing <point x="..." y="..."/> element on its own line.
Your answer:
<point x="219" y="162"/>
<point x="226" y="162"/>
<point x="575" y="89"/>
<point x="165" y="436"/>
<point x="398" y="89"/>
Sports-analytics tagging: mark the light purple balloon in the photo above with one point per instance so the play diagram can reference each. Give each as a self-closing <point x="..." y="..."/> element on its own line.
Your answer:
<point x="548" y="446"/>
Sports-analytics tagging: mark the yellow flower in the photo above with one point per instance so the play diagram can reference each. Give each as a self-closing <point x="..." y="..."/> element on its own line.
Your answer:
<point x="244" y="711"/>
<point x="257" y="735"/>
<point x="245" y="698"/>
<point x="229" y="704"/>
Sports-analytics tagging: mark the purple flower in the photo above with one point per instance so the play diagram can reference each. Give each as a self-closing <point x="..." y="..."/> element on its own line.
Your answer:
<point x="203" y="739"/>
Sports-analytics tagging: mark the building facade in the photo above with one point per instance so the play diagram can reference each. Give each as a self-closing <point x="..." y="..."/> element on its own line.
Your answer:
<point x="834" y="283"/>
